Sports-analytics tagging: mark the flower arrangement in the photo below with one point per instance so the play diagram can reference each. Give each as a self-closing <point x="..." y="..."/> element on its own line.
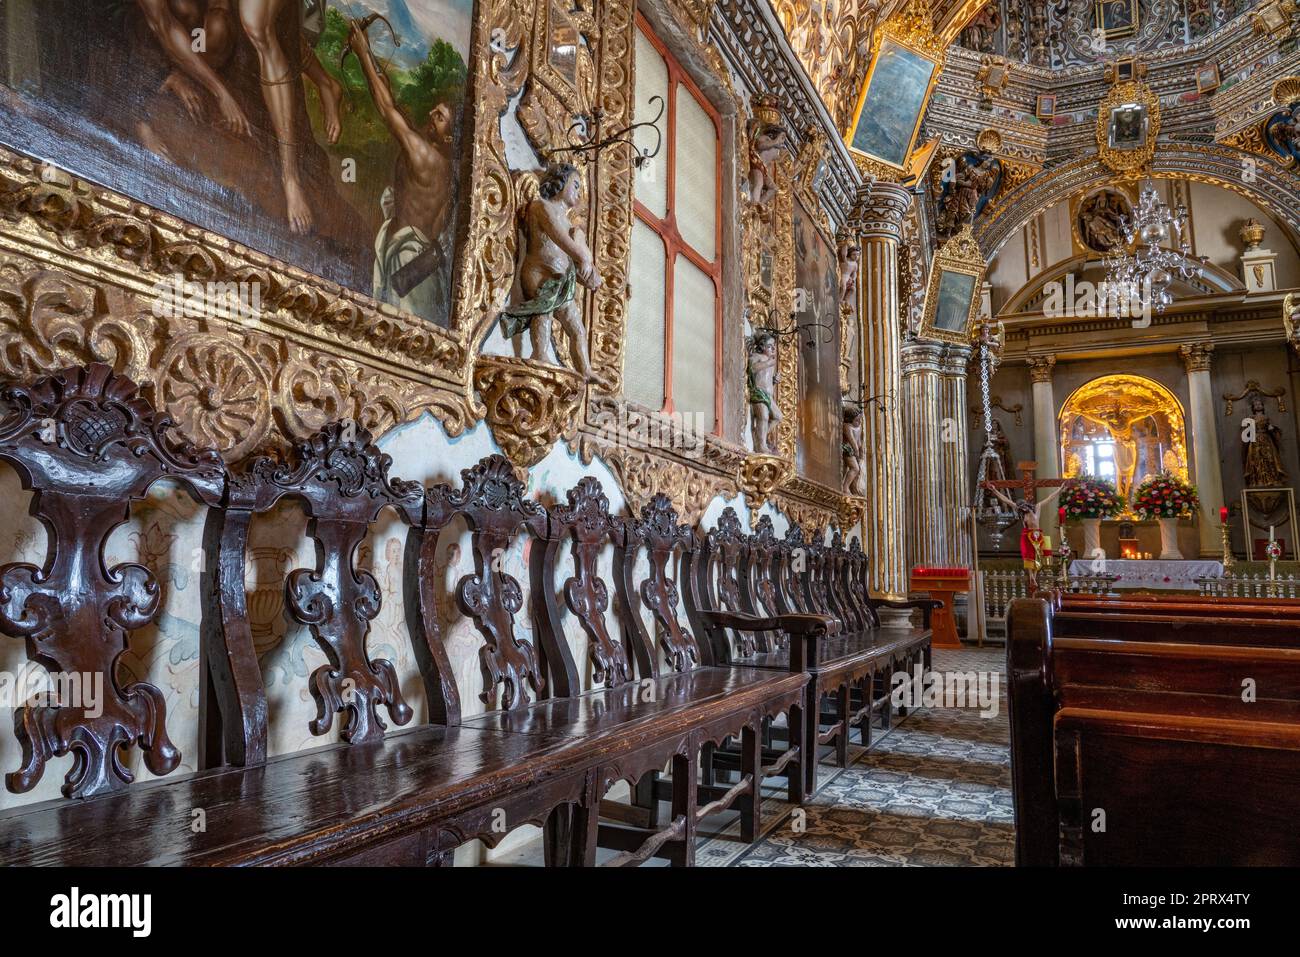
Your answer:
<point x="1165" y="496"/>
<point x="1090" y="497"/>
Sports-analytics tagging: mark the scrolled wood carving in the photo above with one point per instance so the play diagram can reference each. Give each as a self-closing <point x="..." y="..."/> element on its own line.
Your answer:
<point x="88" y="444"/>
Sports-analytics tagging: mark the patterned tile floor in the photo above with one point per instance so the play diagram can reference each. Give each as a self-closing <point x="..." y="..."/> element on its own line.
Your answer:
<point x="935" y="790"/>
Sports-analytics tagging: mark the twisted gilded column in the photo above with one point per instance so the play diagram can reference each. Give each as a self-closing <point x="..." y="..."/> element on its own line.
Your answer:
<point x="927" y="528"/>
<point x="1045" y="437"/>
<point x="1208" y="470"/>
<point x="878" y="218"/>
<point x="955" y="480"/>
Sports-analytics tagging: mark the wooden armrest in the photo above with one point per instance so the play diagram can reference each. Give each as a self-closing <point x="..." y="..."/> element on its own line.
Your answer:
<point x="803" y="625"/>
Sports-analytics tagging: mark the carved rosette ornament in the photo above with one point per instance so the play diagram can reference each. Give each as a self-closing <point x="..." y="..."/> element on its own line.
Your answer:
<point x="852" y="508"/>
<point x="529" y="407"/>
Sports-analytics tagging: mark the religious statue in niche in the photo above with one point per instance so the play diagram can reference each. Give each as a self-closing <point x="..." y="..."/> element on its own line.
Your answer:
<point x="556" y="259"/>
<point x="1261" y="459"/>
<point x="855" y="476"/>
<point x="1103" y="217"/>
<point x="981" y="34"/>
<point x="764" y="414"/>
<point x="1282" y="133"/>
<point x="766" y="140"/>
<point x="975" y="178"/>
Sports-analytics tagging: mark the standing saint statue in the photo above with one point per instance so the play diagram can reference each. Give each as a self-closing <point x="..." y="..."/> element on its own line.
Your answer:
<point x="761" y="383"/>
<point x="556" y="259"/>
<point x="1262" y="459"/>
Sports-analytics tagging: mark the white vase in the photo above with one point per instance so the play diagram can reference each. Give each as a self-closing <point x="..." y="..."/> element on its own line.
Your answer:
<point x="1092" y="538"/>
<point x="1169" y="540"/>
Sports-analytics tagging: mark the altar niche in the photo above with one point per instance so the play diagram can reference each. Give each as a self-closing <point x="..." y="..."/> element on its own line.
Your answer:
<point x="1124" y="428"/>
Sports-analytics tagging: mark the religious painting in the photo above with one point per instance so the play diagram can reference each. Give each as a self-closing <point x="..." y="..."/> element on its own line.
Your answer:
<point x="1045" y="109"/>
<point x="325" y="133"/>
<point x="952" y="296"/>
<point x="1102" y="218"/>
<point x="1127" y="127"/>
<point x="817" y="309"/>
<point x="956" y="293"/>
<point x="1119" y="18"/>
<point x="1207" y="78"/>
<point x="891" y="103"/>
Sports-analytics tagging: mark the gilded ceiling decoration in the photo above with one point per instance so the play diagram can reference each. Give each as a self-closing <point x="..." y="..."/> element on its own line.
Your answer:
<point x="833" y="42"/>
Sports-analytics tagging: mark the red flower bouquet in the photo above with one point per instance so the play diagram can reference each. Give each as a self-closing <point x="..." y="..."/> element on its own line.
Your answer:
<point x="1089" y="497"/>
<point x="1165" y="496"/>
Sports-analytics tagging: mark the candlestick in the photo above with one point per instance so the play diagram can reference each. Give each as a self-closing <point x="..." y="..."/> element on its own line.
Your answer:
<point x="1228" y="561"/>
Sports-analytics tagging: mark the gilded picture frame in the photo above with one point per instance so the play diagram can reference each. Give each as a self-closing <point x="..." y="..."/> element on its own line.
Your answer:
<point x="893" y="111"/>
<point x="952" y="296"/>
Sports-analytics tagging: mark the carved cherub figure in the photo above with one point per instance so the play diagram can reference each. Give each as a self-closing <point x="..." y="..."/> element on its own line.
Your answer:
<point x="848" y="255"/>
<point x="763" y="411"/>
<point x="766" y="140"/>
<point x="556" y="258"/>
<point x="851" y="449"/>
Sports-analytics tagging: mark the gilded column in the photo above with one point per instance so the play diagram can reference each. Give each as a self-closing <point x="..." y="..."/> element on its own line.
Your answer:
<point x="879" y="221"/>
<point x="925" y="429"/>
<point x="957" y="493"/>
<point x="1207" y="473"/>
<point x="1045" y="436"/>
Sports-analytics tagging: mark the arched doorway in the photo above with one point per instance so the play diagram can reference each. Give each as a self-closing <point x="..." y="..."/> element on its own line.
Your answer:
<point x="1123" y="428"/>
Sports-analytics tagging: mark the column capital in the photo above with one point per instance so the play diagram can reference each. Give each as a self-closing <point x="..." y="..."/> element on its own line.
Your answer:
<point x="956" y="360"/>
<point x="880" y="210"/>
<point x="920" y="356"/>
<point x="1196" y="356"/>
<point x="1040" y="368"/>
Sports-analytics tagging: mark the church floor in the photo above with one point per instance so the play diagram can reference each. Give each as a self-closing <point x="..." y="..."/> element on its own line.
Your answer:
<point x="933" y="791"/>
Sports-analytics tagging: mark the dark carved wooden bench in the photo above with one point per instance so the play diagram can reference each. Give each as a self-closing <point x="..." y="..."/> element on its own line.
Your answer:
<point x="1158" y="734"/>
<point x="88" y="445"/>
<point x="750" y="592"/>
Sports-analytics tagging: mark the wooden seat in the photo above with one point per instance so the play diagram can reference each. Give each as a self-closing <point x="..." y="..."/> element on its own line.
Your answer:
<point x="545" y="752"/>
<point x="1141" y="752"/>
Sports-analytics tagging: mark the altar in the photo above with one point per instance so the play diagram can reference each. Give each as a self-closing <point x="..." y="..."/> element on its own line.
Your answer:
<point x="1152" y="574"/>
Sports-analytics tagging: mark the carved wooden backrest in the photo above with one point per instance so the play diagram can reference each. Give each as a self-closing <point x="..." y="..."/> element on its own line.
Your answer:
<point x="342" y="479"/>
<point x="852" y="583"/>
<point x="832" y="561"/>
<point x="587" y="525"/>
<point x="88" y="444"/>
<point x="815" y="581"/>
<point x="658" y="532"/>
<point x="721" y="565"/>
<point x="491" y="500"/>
<point x="859" y="564"/>
<point x="762" y="552"/>
<point x="792" y="571"/>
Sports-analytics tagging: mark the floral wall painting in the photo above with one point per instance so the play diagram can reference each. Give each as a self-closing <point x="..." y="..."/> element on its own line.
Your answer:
<point x="890" y="105"/>
<point x="325" y="133"/>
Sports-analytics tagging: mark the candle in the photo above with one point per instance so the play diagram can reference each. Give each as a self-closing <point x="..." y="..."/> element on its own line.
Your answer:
<point x="1047" y="543"/>
<point x="1270" y="533"/>
<point x="1223" y="515"/>
<point x="1061" y="512"/>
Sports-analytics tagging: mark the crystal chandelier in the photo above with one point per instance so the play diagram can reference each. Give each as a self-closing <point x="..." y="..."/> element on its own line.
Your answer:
<point x="1147" y="273"/>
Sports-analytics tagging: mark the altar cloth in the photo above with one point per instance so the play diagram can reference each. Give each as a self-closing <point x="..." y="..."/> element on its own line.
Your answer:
<point x="1150" y="573"/>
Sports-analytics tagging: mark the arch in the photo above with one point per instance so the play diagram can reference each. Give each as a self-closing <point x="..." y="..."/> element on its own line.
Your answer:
<point x="1144" y="419"/>
<point x="1029" y="297"/>
<point x="1275" y="189"/>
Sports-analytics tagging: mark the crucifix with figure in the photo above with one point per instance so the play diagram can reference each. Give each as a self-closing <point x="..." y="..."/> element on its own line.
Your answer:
<point x="1029" y="511"/>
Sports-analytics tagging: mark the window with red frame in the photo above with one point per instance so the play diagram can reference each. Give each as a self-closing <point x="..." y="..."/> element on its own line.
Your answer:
<point x="674" y="329"/>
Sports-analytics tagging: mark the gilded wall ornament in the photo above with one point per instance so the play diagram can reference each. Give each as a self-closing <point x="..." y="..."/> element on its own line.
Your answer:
<point x="529" y="406"/>
<point x="1128" y="122"/>
<point x="760" y="476"/>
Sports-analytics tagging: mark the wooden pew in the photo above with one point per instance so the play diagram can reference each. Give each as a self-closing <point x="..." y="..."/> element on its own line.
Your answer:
<point x="1212" y="620"/>
<point x="1157" y="737"/>
<point x="742" y="586"/>
<point x="88" y="444"/>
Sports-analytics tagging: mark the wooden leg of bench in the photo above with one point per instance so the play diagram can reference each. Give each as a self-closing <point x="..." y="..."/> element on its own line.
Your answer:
<point x="796" y="770"/>
<point x="557" y="834"/>
<point x="685" y="767"/>
<point x="842" y="716"/>
<point x="583" y="832"/>
<point x="751" y="763"/>
<point x="646" y="795"/>
<point x="706" y="765"/>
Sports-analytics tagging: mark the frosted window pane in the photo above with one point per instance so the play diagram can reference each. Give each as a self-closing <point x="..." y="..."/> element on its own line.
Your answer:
<point x="693" y="343"/>
<point x="697" y="175"/>
<point x="643" y="357"/>
<point x="651" y="186"/>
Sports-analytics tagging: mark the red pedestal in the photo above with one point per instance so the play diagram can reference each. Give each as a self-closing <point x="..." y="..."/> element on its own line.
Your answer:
<point x="941" y="584"/>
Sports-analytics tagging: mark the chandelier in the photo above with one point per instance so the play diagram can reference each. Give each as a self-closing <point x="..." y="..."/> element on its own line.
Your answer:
<point x="1150" y="269"/>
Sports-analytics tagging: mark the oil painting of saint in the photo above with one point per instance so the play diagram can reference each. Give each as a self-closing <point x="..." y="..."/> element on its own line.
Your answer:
<point x="889" y="109"/>
<point x="349" y="112"/>
<point x="820" y="420"/>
